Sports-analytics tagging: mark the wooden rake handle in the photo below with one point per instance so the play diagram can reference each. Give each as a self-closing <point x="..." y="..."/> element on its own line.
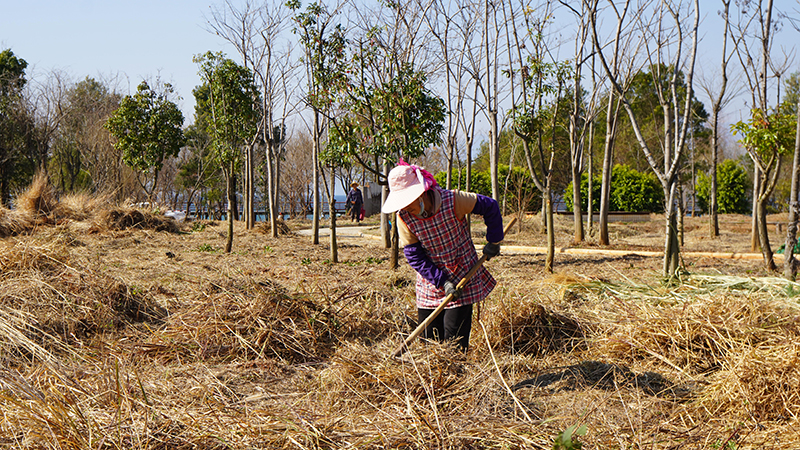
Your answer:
<point x="404" y="346"/>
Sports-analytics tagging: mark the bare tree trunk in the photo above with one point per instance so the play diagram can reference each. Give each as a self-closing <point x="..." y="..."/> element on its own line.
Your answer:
<point x="272" y="192"/>
<point x="790" y="263"/>
<point x="590" y="179"/>
<point x="491" y="106"/>
<point x="754" y="219"/>
<point x="315" y="159"/>
<point x="230" y="191"/>
<point x="386" y="219"/>
<point x="763" y="235"/>
<point x="713" y="207"/>
<point x="681" y="214"/>
<point x="605" y="184"/>
<point x="551" y="239"/>
<point x="671" y="246"/>
<point x="577" y="208"/>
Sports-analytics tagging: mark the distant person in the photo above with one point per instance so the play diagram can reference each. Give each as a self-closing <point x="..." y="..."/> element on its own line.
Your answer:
<point x="355" y="201"/>
<point x="436" y="242"/>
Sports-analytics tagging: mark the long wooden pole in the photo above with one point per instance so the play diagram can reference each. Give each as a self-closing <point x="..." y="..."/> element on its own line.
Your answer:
<point x="404" y="346"/>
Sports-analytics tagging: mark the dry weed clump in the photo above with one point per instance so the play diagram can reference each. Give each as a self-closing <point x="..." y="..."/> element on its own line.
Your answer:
<point x="39" y="201"/>
<point x="246" y="319"/>
<point x="58" y="304"/>
<point x="521" y="325"/>
<point x="759" y="383"/>
<point x="125" y="217"/>
<point x="431" y="397"/>
<point x="265" y="227"/>
<point x="82" y="206"/>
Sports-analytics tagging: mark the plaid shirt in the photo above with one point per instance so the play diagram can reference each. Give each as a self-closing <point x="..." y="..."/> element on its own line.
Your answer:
<point x="446" y="240"/>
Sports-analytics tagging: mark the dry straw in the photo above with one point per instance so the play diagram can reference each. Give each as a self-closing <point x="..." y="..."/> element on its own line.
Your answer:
<point x="109" y="343"/>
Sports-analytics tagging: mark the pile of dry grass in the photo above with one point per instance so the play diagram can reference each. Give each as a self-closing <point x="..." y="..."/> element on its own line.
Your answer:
<point x="246" y="319"/>
<point x="730" y="341"/>
<point x="57" y="304"/>
<point x="265" y="227"/>
<point x="125" y="217"/>
<point x="40" y="204"/>
<point x="522" y="326"/>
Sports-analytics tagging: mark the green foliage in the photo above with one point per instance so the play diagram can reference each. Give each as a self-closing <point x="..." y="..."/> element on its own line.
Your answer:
<point x="227" y="102"/>
<point x="767" y="136"/>
<point x="206" y="248"/>
<point x="17" y="134"/>
<point x="566" y="440"/>
<point x="596" y="183"/>
<point x="631" y="191"/>
<point x="635" y="191"/>
<point x="521" y="192"/>
<point x="81" y="138"/>
<point x="791" y="94"/>
<point x="148" y="128"/>
<point x="732" y="185"/>
<point x="481" y="182"/>
<point x="397" y="118"/>
<point x="12" y="75"/>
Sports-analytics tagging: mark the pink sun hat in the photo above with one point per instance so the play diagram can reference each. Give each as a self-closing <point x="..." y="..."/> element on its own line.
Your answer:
<point x="406" y="184"/>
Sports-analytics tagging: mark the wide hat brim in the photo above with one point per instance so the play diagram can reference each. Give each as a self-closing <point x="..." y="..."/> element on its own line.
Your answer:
<point x="399" y="199"/>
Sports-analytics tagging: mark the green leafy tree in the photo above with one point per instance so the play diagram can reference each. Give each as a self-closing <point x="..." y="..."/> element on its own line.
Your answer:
<point x="148" y="128"/>
<point x="231" y="117"/>
<point x="324" y="56"/>
<point x="383" y="121"/>
<point x="731" y="190"/>
<point x="767" y="139"/>
<point x="15" y="170"/>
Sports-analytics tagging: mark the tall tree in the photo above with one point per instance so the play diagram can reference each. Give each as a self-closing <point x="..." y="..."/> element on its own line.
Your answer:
<point x="147" y="127"/>
<point x="323" y="44"/>
<point x="257" y="33"/>
<point x="718" y="100"/>
<point x="536" y="112"/>
<point x="396" y="119"/>
<point x="581" y="116"/>
<point x="767" y="139"/>
<point x="82" y="138"/>
<point x="677" y="117"/>
<point x="754" y="32"/>
<point x="13" y="121"/>
<point x="790" y="262"/>
<point x="232" y="118"/>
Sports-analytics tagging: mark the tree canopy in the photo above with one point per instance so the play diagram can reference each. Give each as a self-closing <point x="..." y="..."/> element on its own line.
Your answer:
<point x="148" y="128"/>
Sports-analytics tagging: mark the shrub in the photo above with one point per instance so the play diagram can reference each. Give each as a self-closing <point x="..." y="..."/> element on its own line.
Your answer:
<point x="584" y="193"/>
<point x="521" y="192"/>
<point x="732" y="187"/>
<point x="631" y="190"/>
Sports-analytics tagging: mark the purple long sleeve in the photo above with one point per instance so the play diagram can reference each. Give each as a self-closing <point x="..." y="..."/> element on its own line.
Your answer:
<point x="418" y="259"/>
<point x="490" y="210"/>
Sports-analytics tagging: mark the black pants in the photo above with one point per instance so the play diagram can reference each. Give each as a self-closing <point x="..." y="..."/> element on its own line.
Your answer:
<point x="453" y="323"/>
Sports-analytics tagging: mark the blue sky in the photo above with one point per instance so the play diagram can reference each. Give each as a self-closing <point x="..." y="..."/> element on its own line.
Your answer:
<point x="146" y="39"/>
<point x="137" y="40"/>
